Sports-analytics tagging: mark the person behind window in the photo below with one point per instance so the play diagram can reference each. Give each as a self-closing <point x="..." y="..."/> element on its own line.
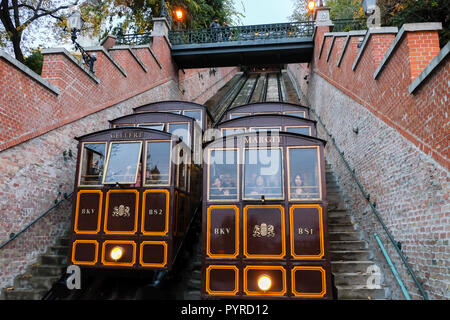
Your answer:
<point x="298" y="190"/>
<point x="228" y="184"/>
<point x="216" y="187"/>
<point x="274" y="185"/>
<point x="259" y="187"/>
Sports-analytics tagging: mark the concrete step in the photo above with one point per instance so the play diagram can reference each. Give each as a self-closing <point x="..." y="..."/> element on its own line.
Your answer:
<point x="26" y="282"/>
<point x="194" y="284"/>
<point x="59" y="250"/>
<point x="348" y="245"/>
<point x="360" y="292"/>
<point x="192" y="295"/>
<point x="350" y="266"/>
<point x="336" y="205"/>
<point x="24" y="294"/>
<point x="339" y="219"/>
<point x="46" y="270"/>
<point x="49" y="259"/>
<point x="351" y="278"/>
<point x="196" y="274"/>
<point x="344" y="236"/>
<point x="350" y="255"/>
<point x="341" y="227"/>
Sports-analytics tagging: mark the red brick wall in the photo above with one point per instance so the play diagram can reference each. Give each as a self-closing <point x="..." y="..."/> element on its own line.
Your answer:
<point x="401" y="152"/>
<point x="37" y="125"/>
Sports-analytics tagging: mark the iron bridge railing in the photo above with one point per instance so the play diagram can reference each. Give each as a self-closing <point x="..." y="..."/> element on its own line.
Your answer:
<point x="243" y="33"/>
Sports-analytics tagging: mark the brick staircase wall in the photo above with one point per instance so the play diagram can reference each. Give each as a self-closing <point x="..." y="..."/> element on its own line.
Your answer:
<point x="41" y="115"/>
<point x="385" y="103"/>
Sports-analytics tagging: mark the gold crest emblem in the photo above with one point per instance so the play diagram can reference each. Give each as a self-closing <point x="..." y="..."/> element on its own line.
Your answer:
<point x="121" y="211"/>
<point x="263" y="230"/>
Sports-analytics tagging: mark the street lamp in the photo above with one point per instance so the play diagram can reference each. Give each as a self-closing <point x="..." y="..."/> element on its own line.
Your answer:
<point x="75" y="23"/>
<point x="179" y="17"/>
<point x="369" y="6"/>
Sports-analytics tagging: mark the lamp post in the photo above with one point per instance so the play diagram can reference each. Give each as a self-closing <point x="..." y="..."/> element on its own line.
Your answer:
<point x="75" y="22"/>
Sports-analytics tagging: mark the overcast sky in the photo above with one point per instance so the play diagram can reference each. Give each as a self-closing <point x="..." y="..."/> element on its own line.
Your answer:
<point x="264" y="11"/>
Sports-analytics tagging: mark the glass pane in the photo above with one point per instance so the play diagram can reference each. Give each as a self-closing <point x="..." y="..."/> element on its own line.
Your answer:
<point x="92" y="163"/>
<point x="300" y="114"/>
<point x="182" y="170"/>
<point x="263" y="174"/>
<point x="159" y="126"/>
<point x="123" y="160"/>
<point x="121" y="125"/>
<point x="223" y="175"/>
<point x="173" y="111"/>
<point x="158" y="163"/>
<point x="238" y="115"/>
<point x="196" y="114"/>
<point x="181" y="130"/>
<point x="300" y="130"/>
<point x="264" y="129"/>
<point x="304" y="173"/>
<point x="230" y="131"/>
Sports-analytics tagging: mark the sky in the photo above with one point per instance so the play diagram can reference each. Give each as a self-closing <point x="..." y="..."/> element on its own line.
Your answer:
<point x="264" y="11"/>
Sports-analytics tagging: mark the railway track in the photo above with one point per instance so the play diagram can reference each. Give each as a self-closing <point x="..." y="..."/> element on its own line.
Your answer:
<point x="183" y="282"/>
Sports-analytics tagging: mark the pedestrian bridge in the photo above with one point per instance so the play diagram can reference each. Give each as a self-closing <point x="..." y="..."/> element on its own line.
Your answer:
<point x="241" y="45"/>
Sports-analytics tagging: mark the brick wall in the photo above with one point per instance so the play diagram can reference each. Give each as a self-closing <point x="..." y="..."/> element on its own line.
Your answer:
<point x="40" y="116"/>
<point x="400" y="152"/>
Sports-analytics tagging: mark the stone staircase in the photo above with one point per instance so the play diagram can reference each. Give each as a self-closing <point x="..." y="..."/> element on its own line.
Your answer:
<point x="351" y="259"/>
<point x="40" y="276"/>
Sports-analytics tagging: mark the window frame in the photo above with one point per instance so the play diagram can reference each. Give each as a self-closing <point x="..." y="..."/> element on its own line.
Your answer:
<point x="145" y="164"/>
<point x="295" y="111"/>
<point x="319" y="173"/>
<point x="108" y="158"/>
<point x="222" y="130"/>
<point x="142" y="125"/>
<point x="81" y="163"/>
<point x="288" y="127"/>
<point x="201" y="116"/>
<point x="208" y="175"/>
<point x="187" y="143"/>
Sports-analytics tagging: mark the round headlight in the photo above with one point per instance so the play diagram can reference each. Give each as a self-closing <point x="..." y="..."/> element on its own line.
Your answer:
<point x="264" y="282"/>
<point x="116" y="253"/>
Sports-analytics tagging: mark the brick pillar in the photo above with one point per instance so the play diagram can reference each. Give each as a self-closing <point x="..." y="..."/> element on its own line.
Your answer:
<point x="423" y="45"/>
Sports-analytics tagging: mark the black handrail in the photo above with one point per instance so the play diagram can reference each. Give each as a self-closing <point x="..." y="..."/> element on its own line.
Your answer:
<point x="15" y="235"/>
<point x="372" y="204"/>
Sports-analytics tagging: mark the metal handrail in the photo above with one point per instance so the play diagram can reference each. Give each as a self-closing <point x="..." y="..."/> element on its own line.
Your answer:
<point x="342" y="25"/>
<point x="243" y="33"/>
<point x="372" y="204"/>
<point x="15" y="235"/>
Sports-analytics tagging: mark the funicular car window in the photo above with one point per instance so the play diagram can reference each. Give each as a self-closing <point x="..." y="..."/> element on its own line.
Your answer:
<point x="123" y="162"/>
<point x="230" y="131"/>
<point x="158" y="163"/>
<point x="223" y="175"/>
<point x="304" y="174"/>
<point x="154" y="126"/>
<point x="300" y="114"/>
<point x="182" y="168"/>
<point x="263" y="174"/>
<point x="196" y="114"/>
<point x="265" y="129"/>
<point x="92" y="163"/>
<point x="181" y="130"/>
<point x="238" y="115"/>
<point x="122" y="125"/>
<point x="301" y="130"/>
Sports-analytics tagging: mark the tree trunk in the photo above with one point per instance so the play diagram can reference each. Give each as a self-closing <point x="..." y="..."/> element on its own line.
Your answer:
<point x="16" y="39"/>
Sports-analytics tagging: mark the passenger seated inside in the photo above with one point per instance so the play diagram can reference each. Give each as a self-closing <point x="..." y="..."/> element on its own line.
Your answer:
<point x="223" y="173"/>
<point x="298" y="190"/>
<point x="258" y="187"/>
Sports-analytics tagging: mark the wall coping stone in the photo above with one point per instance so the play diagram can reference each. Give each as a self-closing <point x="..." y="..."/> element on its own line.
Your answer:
<point x="407" y="27"/>
<point x="106" y="53"/>
<point x="17" y="64"/>
<point x="127" y="47"/>
<point x="69" y="56"/>
<point x="366" y="41"/>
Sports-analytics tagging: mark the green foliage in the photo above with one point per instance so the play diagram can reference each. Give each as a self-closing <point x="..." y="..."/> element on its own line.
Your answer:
<point x="35" y="60"/>
<point x="397" y="13"/>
